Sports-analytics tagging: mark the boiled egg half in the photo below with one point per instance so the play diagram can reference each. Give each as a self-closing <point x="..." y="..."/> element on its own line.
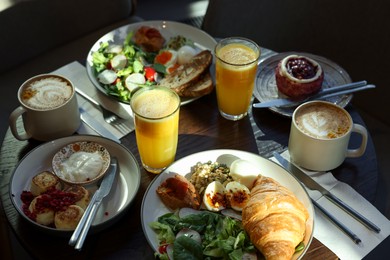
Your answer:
<point x="214" y="196"/>
<point x="185" y="54"/>
<point x="237" y="194"/>
<point x="244" y="172"/>
<point x="166" y="58"/>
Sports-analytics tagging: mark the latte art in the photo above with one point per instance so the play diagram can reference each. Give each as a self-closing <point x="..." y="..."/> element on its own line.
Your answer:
<point x="323" y="121"/>
<point x="46" y="93"/>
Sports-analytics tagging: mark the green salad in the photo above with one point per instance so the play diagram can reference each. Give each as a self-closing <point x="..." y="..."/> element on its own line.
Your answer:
<point x="206" y="235"/>
<point x="122" y="68"/>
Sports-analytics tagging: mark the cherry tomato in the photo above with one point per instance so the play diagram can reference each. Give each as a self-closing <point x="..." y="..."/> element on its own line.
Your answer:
<point x="163" y="249"/>
<point x="149" y="73"/>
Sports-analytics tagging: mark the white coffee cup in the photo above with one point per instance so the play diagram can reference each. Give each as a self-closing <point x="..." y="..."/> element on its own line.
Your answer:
<point x="320" y="134"/>
<point x="49" y="109"/>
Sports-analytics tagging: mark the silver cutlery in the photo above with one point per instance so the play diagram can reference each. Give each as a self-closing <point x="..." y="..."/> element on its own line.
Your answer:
<point x="323" y="94"/>
<point x="313" y="185"/>
<point x="346" y="230"/>
<point x="96" y="126"/>
<point x="109" y="116"/>
<point x="79" y="234"/>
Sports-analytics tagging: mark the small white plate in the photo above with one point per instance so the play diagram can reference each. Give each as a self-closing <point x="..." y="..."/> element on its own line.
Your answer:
<point x="167" y="29"/>
<point x="152" y="207"/>
<point x="65" y="152"/>
<point x="266" y="89"/>
<point x="123" y="192"/>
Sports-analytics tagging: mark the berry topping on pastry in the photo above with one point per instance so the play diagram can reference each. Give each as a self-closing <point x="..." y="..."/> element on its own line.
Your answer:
<point x="298" y="76"/>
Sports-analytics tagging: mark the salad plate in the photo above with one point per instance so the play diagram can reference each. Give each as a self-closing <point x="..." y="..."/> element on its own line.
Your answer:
<point x="125" y="186"/>
<point x="265" y="86"/>
<point x="168" y="29"/>
<point x="152" y="207"/>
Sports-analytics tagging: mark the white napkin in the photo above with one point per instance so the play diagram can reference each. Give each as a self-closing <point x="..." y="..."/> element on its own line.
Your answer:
<point x="333" y="237"/>
<point x="77" y="74"/>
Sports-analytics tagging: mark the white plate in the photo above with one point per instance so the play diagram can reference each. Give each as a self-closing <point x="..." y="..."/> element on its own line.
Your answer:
<point x="265" y="86"/>
<point x="123" y="191"/>
<point x="167" y="29"/>
<point x="152" y="207"/>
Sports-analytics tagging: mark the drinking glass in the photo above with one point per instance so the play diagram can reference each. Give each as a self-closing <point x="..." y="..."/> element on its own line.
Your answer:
<point x="236" y="65"/>
<point x="156" y="119"/>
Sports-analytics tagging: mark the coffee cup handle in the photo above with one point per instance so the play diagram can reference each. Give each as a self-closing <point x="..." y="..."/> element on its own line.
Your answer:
<point x="12" y="123"/>
<point x="358" y="151"/>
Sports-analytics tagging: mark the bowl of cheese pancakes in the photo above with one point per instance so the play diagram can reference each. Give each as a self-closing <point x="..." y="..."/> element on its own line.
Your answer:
<point x="52" y="203"/>
<point x="58" y="197"/>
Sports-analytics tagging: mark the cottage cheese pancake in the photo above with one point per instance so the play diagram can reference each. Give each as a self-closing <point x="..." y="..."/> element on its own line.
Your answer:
<point x="323" y="121"/>
<point x="46" y="93"/>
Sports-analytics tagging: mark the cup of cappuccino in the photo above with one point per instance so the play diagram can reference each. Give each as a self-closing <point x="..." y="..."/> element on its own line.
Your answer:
<point x="320" y="134"/>
<point x="48" y="107"/>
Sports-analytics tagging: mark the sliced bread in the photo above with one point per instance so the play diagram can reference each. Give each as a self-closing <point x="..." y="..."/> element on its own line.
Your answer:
<point x="185" y="75"/>
<point x="199" y="88"/>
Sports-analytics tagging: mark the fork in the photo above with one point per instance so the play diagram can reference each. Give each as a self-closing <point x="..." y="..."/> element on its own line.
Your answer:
<point x="109" y="117"/>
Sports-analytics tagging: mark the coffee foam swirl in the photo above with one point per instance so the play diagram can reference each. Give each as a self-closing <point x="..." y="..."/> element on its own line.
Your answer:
<point x="46" y="93"/>
<point x="323" y="121"/>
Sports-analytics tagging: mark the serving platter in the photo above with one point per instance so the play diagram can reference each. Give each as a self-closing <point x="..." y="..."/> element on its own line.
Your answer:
<point x="152" y="207"/>
<point x="168" y="29"/>
<point x="123" y="192"/>
<point x="265" y="86"/>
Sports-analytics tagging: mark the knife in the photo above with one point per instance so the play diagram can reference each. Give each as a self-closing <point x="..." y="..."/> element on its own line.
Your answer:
<point x="313" y="185"/>
<point x="324" y="94"/>
<point x="96" y="125"/>
<point x="83" y="226"/>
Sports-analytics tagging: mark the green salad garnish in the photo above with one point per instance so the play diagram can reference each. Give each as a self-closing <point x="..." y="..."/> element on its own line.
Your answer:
<point x="221" y="237"/>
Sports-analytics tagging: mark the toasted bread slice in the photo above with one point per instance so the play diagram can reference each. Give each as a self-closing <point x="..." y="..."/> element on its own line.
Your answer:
<point x="185" y="75"/>
<point x="199" y="88"/>
<point x="177" y="192"/>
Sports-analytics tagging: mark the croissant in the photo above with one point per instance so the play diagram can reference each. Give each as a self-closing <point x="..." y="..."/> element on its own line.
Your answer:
<point x="274" y="219"/>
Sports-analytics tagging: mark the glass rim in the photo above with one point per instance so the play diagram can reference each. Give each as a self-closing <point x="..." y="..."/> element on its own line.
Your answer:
<point x="243" y="39"/>
<point x="150" y="88"/>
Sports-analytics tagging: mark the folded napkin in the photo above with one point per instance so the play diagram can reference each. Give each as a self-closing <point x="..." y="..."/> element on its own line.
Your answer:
<point x="77" y="74"/>
<point x="329" y="234"/>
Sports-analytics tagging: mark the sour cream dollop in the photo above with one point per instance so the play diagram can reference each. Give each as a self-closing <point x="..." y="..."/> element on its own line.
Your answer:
<point x="81" y="166"/>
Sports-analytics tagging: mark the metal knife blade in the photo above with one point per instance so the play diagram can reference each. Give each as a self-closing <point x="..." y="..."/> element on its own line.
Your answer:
<point x="82" y="228"/>
<point x="313" y="185"/>
<point x="327" y="93"/>
<point x="96" y="125"/>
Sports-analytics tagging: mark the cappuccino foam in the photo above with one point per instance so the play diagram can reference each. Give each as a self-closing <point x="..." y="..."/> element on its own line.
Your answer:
<point x="322" y="121"/>
<point x="155" y="103"/>
<point x="46" y="93"/>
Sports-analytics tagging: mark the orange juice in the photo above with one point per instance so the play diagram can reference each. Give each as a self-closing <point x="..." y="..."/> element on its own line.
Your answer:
<point x="156" y="117"/>
<point x="236" y="66"/>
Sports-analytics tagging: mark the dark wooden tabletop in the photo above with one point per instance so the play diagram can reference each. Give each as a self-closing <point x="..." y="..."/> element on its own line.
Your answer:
<point x="201" y="128"/>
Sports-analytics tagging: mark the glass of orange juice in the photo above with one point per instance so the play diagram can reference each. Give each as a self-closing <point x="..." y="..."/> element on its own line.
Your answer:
<point x="236" y="65"/>
<point x="156" y="119"/>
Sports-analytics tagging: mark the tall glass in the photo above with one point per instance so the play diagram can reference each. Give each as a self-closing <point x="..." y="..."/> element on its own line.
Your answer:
<point x="236" y="64"/>
<point x="156" y="118"/>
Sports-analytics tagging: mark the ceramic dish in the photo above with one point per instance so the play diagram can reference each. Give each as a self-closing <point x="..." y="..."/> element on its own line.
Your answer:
<point x="167" y="29"/>
<point x="265" y="85"/>
<point x="152" y="207"/>
<point x="63" y="154"/>
<point x="125" y="186"/>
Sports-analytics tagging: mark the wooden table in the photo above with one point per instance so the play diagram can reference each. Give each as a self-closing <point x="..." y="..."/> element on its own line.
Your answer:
<point x="201" y="128"/>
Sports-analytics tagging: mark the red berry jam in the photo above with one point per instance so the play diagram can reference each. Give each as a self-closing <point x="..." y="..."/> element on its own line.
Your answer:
<point x="301" y="68"/>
